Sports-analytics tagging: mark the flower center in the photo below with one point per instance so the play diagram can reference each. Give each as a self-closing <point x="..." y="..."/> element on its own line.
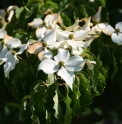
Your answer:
<point x="61" y="63"/>
<point x="118" y="30"/>
<point x="44" y="44"/>
<point x="96" y="22"/>
<point x="13" y="52"/>
<point x="71" y="36"/>
<point x="63" y="27"/>
<point x="44" y="23"/>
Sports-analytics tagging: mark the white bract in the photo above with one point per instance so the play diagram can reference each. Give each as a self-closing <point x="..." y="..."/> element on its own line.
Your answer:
<point x="64" y="64"/>
<point x="2" y="13"/>
<point x="2" y="33"/>
<point x="96" y="17"/>
<point x="10" y="11"/>
<point x="6" y="43"/>
<point x="106" y="28"/>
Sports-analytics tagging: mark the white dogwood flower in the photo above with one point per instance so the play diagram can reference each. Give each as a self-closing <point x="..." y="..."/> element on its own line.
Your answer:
<point x="6" y="43"/>
<point x="48" y="23"/>
<point x="40" y="48"/>
<point x="10" y="61"/>
<point x="10" y="57"/>
<point x="64" y="64"/>
<point x="106" y="28"/>
<point x="71" y="39"/>
<point x="117" y="35"/>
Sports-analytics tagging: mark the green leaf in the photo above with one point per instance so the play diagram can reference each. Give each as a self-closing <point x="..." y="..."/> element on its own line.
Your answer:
<point x="23" y="106"/>
<point x="35" y="83"/>
<point x="86" y="97"/>
<point x="29" y="78"/>
<point x="75" y="95"/>
<point x="27" y="113"/>
<point x="80" y="12"/>
<point x="21" y="34"/>
<point x="66" y="20"/>
<point x="50" y="94"/>
<point x="34" y="1"/>
<point x="63" y="4"/>
<point x="88" y="55"/>
<point x="114" y="67"/>
<point x="101" y="83"/>
<point x="18" y="12"/>
<point x="34" y="9"/>
<point x="37" y="101"/>
<point x="51" y="4"/>
<point x="68" y="112"/>
<point x="18" y="83"/>
<point x="102" y="2"/>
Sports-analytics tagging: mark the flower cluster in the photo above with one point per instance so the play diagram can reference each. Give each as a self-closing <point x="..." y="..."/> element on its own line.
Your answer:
<point x="116" y="34"/>
<point x="67" y="42"/>
<point x="7" y="52"/>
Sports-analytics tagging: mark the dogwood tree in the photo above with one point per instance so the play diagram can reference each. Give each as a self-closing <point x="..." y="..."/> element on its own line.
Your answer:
<point x="48" y="59"/>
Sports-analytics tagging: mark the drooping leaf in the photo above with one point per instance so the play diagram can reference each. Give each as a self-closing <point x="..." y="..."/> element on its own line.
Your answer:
<point x="18" y="86"/>
<point x="37" y="103"/>
<point x="85" y="90"/>
<point x="68" y="113"/>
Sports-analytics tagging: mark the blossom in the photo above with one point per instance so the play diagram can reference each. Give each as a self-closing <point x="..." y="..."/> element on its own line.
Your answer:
<point x="106" y="28"/>
<point x="6" y="44"/>
<point x="42" y="26"/>
<point x="72" y="39"/>
<point x="64" y="64"/>
<point x="117" y="35"/>
<point x="10" y="61"/>
<point x="40" y="48"/>
<point x="11" y="58"/>
<point x="95" y="30"/>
